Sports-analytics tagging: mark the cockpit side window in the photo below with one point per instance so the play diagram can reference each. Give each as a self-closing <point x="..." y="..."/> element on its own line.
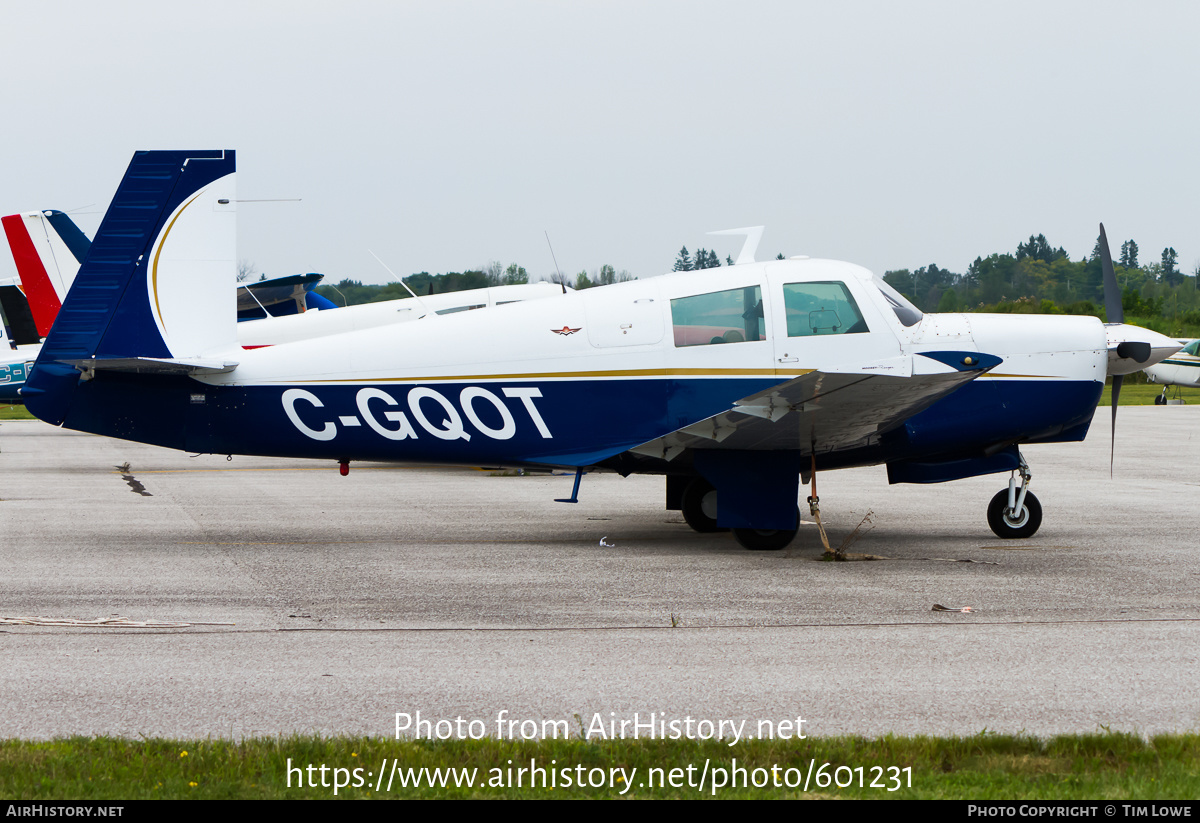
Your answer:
<point x="732" y="316"/>
<point x="821" y="308"/>
<point x="1192" y="348"/>
<point x="906" y="312"/>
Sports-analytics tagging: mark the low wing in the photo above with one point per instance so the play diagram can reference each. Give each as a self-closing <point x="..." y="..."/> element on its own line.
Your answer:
<point x="829" y="410"/>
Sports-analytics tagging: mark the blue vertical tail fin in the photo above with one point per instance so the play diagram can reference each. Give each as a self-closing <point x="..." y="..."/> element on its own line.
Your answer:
<point x="157" y="280"/>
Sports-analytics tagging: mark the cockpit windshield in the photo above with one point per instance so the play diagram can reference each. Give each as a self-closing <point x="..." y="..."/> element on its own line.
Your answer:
<point x="907" y="313"/>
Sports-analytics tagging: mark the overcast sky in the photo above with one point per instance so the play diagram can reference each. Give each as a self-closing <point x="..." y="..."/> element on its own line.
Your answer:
<point x="444" y="135"/>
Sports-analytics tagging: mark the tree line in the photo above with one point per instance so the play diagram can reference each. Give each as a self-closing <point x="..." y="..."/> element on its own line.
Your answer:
<point x="348" y="292"/>
<point x="703" y="259"/>
<point x="354" y="292"/>
<point x="1036" y="278"/>
<point x="1040" y="279"/>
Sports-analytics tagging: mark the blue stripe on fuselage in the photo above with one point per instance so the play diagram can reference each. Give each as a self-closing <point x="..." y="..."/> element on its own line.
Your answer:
<point x="551" y="421"/>
<point x="507" y="422"/>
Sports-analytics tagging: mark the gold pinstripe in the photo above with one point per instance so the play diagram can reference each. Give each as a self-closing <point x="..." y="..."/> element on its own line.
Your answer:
<point x="577" y="374"/>
<point x="158" y="252"/>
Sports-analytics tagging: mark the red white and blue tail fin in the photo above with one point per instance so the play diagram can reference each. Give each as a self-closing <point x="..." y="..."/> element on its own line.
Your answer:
<point x="48" y="249"/>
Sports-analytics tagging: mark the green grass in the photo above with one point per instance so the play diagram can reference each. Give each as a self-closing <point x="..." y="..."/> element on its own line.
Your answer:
<point x="1143" y="394"/>
<point x="983" y="767"/>
<point x="17" y="412"/>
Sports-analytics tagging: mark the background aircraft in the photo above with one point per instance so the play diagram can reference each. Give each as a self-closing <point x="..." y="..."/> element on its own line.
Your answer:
<point x="736" y="383"/>
<point x="48" y="249"/>
<point x="19" y="341"/>
<point x="1180" y="369"/>
<point x="281" y="297"/>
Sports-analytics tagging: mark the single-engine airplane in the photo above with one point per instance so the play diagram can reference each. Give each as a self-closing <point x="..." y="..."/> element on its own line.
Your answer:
<point x="1180" y="369"/>
<point x="736" y="382"/>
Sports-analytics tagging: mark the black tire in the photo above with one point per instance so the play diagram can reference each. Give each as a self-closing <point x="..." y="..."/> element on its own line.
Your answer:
<point x="1160" y="400"/>
<point x="1026" y="525"/>
<point x="764" y="540"/>
<point x="700" y="506"/>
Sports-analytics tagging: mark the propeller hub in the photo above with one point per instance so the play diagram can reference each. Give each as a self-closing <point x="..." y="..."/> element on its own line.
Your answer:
<point x="1132" y="348"/>
<point x="1135" y="350"/>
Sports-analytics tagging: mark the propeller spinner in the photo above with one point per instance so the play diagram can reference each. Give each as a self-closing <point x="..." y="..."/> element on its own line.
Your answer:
<point x="1130" y="348"/>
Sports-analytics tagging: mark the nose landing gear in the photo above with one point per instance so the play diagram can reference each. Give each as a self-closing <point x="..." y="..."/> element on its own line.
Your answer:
<point x="1015" y="513"/>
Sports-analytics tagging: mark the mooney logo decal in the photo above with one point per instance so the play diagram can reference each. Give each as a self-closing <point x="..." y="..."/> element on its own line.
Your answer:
<point x="565" y="330"/>
<point x="385" y="416"/>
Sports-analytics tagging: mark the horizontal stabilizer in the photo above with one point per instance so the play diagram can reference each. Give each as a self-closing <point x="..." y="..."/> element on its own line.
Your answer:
<point x="154" y="365"/>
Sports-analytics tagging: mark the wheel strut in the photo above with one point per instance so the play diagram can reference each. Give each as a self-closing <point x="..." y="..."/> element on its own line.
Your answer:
<point x="1016" y="499"/>
<point x="1015" y="513"/>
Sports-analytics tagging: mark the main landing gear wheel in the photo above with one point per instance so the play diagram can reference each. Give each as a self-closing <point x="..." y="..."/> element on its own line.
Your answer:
<point x="1014" y="525"/>
<point x="700" y="506"/>
<point x="764" y="540"/>
<point x="1161" y="399"/>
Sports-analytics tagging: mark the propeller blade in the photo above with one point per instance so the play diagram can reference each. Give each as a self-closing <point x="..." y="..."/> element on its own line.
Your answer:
<point x="1112" y="293"/>
<point x="1116" y="392"/>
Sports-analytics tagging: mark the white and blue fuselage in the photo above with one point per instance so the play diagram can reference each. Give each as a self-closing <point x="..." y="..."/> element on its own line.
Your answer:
<point x="579" y="378"/>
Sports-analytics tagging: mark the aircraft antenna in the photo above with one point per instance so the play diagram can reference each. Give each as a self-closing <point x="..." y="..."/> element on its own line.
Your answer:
<point x="752" y="234"/>
<point x="345" y="302"/>
<point x="400" y="280"/>
<point x="561" y="282"/>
